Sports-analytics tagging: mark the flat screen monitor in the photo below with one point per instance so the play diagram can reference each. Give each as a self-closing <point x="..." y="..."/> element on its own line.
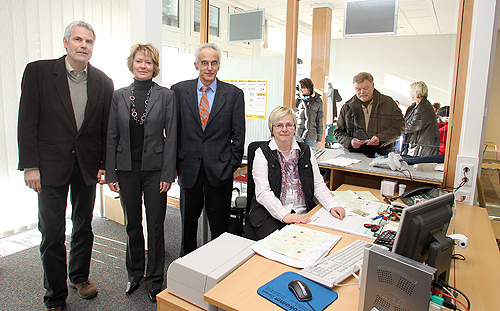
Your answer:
<point x="246" y="26"/>
<point x="370" y="17"/>
<point x="422" y="233"/>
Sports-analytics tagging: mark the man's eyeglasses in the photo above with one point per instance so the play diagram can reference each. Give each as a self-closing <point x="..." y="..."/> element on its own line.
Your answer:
<point x="288" y="126"/>
<point x="204" y="64"/>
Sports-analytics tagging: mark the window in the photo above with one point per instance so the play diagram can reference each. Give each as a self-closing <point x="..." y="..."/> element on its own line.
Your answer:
<point x="170" y="13"/>
<point x="213" y="19"/>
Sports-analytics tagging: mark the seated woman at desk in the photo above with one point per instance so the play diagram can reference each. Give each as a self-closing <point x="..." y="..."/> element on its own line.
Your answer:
<point x="286" y="177"/>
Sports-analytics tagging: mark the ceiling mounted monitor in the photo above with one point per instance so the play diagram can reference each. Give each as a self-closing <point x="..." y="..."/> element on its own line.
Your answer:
<point x="246" y="26"/>
<point x="370" y="17"/>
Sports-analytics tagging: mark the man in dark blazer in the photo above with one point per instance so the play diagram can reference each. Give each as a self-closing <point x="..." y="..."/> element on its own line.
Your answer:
<point x="210" y="145"/>
<point x="63" y="117"/>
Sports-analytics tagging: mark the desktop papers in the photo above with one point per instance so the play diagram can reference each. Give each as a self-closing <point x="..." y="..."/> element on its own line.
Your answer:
<point x="353" y="222"/>
<point x="340" y="161"/>
<point x="296" y="246"/>
<point x="344" y="196"/>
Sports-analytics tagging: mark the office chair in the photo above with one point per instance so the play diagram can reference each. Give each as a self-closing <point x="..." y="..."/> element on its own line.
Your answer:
<point x="237" y="214"/>
<point x="481" y="200"/>
<point x="249" y="232"/>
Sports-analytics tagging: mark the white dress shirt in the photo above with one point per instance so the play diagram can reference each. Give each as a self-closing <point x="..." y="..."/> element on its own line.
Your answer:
<point x="265" y="196"/>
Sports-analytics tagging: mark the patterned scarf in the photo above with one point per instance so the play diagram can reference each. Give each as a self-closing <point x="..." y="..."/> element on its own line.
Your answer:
<point x="290" y="176"/>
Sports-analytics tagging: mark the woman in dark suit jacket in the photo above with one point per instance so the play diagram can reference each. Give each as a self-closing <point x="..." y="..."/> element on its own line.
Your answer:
<point x="140" y="161"/>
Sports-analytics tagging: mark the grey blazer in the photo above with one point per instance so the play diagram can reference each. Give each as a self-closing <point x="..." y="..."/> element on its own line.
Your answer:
<point x="220" y="146"/>
<point x="160" y="134"/>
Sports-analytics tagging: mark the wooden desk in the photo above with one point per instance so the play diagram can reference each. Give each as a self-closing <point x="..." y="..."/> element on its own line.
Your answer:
<point x="362" y="174"/>
<point x="476" y="277"/>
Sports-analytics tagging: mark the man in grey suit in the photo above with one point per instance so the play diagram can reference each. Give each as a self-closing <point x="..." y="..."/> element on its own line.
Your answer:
<point x="63" y="117"/>
<point x="211" y="137"/>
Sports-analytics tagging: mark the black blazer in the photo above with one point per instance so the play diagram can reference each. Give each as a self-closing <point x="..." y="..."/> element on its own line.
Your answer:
<point x="221" y="145"/>
<point x="47" y="132"/>
<point x="160" y="134"/>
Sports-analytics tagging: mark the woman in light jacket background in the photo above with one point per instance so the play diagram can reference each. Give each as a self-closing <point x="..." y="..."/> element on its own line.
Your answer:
<point x="140" y="163"/>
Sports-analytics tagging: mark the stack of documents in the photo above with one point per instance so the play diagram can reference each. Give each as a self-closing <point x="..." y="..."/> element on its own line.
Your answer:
<point x="296" y="246"/>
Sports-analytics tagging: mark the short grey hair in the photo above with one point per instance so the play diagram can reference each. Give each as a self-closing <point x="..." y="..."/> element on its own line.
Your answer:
<point x="207" y="45"/>
<point x="278" y="113"/>
<point x="67" y="32"/>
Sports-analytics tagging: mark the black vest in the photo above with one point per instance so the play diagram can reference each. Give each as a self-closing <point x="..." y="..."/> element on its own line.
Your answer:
<point x="258" y="213"/>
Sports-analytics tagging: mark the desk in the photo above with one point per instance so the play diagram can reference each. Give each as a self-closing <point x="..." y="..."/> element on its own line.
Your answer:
<point x="362" y="174"/>
<point x="476" y="277"/>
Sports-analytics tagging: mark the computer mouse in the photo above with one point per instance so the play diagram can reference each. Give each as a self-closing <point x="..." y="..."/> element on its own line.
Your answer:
<point x="300" y="290"/>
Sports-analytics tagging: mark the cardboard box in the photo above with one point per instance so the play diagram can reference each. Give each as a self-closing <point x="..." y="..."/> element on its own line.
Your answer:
<point x="112" y="208"/>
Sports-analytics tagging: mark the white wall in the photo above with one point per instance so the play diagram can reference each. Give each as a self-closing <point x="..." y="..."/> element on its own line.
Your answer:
<point x="395" y="62"/>
<point x="268" y="68"/>
<point x="187" y="40"/>
<point x="32" y="30"/>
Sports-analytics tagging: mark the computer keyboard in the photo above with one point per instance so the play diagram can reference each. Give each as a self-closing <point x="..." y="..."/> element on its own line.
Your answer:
<point x="338" y="266"/>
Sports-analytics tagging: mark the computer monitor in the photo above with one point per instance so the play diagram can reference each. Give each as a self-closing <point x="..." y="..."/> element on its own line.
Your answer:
<point x="422" y="233"/>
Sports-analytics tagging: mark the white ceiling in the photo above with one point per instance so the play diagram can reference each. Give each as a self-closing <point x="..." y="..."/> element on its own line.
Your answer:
<point x="415" y="17"/>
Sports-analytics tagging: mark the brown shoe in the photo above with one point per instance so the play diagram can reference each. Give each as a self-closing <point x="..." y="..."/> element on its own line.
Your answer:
<point x="86" y="290"/>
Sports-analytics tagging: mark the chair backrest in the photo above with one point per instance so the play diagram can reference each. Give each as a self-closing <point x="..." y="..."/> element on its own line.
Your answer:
<point x="481" y="200"/>
<point x="250" y="183"/>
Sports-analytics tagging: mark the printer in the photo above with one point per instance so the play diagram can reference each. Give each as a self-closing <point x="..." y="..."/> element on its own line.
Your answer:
<point x="191" y="276"/>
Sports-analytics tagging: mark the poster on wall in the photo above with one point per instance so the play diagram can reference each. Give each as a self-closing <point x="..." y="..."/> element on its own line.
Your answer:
<point x="255" y="97"/>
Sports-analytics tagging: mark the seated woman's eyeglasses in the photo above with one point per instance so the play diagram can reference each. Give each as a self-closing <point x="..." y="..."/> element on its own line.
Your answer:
<point x="205" y="64"/>
<point x="288" y="126"/>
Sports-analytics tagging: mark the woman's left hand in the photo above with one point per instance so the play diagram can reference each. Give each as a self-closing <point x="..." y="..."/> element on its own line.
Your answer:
<point x="338" y="212"/>
<point x="165" y="186"/>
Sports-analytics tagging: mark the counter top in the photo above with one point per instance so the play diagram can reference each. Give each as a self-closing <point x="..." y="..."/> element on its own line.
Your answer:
<point x="363" y="166"/>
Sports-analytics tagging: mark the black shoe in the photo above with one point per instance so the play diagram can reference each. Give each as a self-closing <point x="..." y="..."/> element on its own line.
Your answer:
<point x="152" y="295"/>
<point x="131" y="287"/>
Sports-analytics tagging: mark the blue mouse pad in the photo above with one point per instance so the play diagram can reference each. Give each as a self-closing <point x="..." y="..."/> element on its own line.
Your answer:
<point x="277" y="292"/>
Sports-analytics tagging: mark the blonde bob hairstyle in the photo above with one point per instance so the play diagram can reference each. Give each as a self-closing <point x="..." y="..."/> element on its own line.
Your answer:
<point x="419" y="89"/>
<point x="148" y="49"/>
<point x="278" y="113"/>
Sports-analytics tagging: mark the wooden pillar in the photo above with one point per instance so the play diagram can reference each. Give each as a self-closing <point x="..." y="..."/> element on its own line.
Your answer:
<point x="458" y="90"/>
<point x="320" y="55"/>
<point x="292" y="28"/>
<point x="204" y="5"/>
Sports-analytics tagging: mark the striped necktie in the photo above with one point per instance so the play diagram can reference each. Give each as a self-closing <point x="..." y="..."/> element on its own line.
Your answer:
<point x="204" y="113"/>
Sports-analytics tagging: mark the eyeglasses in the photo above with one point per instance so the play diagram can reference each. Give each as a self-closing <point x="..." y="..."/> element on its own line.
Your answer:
<point x="288" y="126"/>
<point x="204" y="64"/>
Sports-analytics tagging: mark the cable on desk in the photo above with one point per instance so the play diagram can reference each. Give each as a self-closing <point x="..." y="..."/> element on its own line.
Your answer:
<point x="439" y="285"/>
<point x="409" y="174"/>
<point x="458" y="257"/>
<point x="310" y="305"/>
<point x="455" y="299"/>
<point x="462" y="183"/>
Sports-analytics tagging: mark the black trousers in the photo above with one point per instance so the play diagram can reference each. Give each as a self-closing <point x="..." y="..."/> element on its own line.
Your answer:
<point x="52" y="225"/>
<point x="133" y="186"/>
<point x="217" y="202"/>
